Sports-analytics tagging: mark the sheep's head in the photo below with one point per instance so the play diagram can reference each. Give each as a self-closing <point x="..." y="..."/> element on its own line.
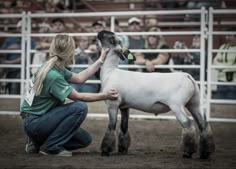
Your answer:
<point x="111" y="40"/>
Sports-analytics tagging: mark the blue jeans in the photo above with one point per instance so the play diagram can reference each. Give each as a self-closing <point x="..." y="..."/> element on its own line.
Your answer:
<point x="59" y="128"/>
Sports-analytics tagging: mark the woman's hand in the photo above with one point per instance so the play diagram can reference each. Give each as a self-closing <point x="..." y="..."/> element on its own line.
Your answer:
<point x="111" y="94"/>
<point x="103" y="54"/>
<point x="149" y="66"/>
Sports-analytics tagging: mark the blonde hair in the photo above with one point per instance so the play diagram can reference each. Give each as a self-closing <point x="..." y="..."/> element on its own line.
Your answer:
<point x="161" y="40"/>
<point x="61" y="54"/>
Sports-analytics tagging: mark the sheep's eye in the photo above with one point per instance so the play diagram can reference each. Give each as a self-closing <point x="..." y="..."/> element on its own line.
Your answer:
<point x="112" y="40"/>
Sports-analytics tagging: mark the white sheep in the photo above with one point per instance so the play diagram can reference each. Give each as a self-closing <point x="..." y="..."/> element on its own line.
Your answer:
<point x="154" y="93"/>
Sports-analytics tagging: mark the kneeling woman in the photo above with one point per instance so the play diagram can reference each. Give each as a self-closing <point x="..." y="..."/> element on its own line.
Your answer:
<point x="52" y="126"/>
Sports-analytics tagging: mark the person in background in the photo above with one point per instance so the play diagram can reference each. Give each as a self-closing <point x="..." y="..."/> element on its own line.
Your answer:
<point x="135" y="41"/>
<point x="152" y="59"/>
<point x="226" y="74"/>
<point x="84" y="56"/>
<point x="97" y="26"/>
<point x="13" y="43"/>
<point x="53" y="127"/>
<point x="58" y="25"/>
<point x="43" y="44"/>
<point x="192" y="58"/>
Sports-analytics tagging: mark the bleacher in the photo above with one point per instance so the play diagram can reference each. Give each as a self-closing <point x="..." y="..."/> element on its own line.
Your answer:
<point x="167" y="23"/>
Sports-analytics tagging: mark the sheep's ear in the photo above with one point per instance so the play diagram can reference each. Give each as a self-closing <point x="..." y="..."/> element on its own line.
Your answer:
<point x="100" y="35"/>
<point x="120" y="54"/>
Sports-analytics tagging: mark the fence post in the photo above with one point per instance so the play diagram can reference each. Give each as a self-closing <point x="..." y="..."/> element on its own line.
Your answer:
<point x="210" y="45"/>
<point x="202" y="57"/>
<point x="28" y="54"/>
<point x="23" y="53"/>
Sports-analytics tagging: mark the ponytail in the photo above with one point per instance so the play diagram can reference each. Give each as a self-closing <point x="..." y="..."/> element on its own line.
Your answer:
<point x="41" y="75"/>
<point x="61" y="54"/>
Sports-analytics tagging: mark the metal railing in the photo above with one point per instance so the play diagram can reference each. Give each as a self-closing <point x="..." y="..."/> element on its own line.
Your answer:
<point x="205" y="32"/>
<point x="211" y="50"/>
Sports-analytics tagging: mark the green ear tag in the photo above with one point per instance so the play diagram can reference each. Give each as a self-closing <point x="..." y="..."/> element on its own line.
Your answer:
<point x="130" y="56"/>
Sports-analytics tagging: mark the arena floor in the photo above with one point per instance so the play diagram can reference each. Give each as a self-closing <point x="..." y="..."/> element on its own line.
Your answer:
<point x="155" y="145"/>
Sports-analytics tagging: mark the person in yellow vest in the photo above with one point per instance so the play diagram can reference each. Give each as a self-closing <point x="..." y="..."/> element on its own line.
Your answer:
<point x="226" y="74"/>
<point x="53" y="127"/>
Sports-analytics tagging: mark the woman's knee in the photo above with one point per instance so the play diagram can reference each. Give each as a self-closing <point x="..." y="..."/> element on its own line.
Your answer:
<point x="80" y="106"/>
<point x="88" y="141"/>
<point x="85" y="138"/>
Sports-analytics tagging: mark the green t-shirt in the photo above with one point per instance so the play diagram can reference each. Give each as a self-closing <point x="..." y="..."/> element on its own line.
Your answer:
<point x="55" y="91"/>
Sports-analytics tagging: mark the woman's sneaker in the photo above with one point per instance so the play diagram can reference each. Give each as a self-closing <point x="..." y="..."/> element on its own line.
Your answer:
<point x="31" y="147"/>
<point x="63" y="153"/>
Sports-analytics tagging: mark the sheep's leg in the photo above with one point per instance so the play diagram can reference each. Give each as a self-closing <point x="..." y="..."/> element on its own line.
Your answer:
<point x="109" y="140"/>
<point x="206" y="140"/>
<point x="188" y="141"/>
<point x="124" y="137"/>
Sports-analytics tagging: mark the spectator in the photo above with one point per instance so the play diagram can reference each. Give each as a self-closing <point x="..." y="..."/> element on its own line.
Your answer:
<point x="14" y="43"/>
<point x="200" y="4"/>
<point x="58" y="25"/>
<point x="7" y="7"/>
<point x="151" y="21"/>
<point x="206" y="4"/>
<point x="135" y="41"/>
<point x="97" y="26"/>
<point x="152" y="59"/>
<point x="188" y="58"/>
<point x="52" y="6"/>
<point x="226" y="74"/>
<point x="95" y="46"/>
<point x="41" y="54"/>
<point x="85" y="56"/>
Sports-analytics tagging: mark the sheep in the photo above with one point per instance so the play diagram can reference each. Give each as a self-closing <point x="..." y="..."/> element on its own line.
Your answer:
<point x="153" y="93"/>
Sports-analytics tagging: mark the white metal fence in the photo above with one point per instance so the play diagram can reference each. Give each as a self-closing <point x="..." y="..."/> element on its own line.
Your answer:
<point x="205" y="31"/>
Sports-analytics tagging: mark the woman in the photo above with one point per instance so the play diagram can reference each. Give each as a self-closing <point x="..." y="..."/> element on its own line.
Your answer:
<point x="152" y="59"/>
<point x="52" y="126"/>
<point x="226" y="74"/>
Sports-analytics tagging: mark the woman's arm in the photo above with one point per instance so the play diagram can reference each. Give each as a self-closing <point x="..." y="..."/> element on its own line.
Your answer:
<point x="91" y="70"/>
<point x="140" y="60"/>
<point x="161" y="59"/>
<point x="91" y="97"/>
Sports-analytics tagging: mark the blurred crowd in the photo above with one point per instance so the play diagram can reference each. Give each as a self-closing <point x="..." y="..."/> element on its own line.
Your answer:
<point x="88" y="48"/>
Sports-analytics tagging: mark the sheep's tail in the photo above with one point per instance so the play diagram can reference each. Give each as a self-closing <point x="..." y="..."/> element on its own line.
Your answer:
<point x="195" y="100"/>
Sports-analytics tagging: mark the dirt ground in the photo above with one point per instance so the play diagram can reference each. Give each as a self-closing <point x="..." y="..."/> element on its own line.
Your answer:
<point x="154" y="145"/>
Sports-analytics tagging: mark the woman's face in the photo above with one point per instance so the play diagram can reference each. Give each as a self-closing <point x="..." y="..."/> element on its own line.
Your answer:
<point x="134" y="27"/>
<point x="58" y="27"/>
<point x="153" y="40"/>
<point x="83" y="43"/>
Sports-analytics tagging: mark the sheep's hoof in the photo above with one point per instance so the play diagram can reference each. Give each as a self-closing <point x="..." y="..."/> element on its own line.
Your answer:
<point x="205" y="155"/>
<point x="105" y="153"/>
<point x="187" y="155"/>
<point x="123" y="151"/>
